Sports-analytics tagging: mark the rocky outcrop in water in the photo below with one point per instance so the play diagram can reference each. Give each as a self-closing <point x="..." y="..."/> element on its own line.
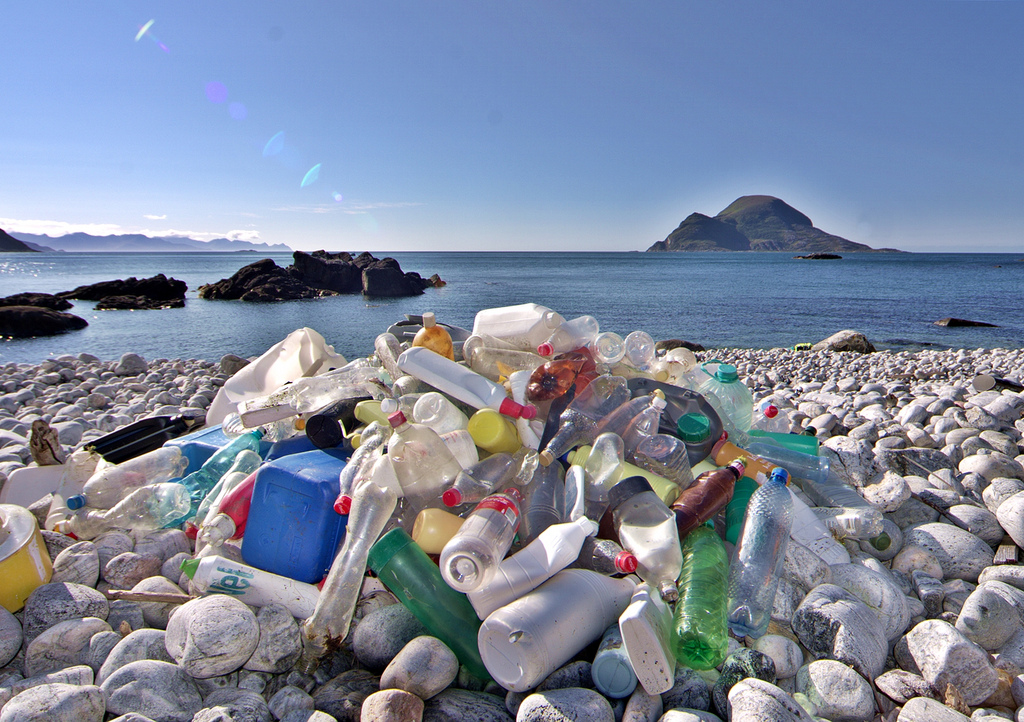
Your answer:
<point x="32" y="321"/>
<point x="156" y="292"/>
<point x="45" y="300"/>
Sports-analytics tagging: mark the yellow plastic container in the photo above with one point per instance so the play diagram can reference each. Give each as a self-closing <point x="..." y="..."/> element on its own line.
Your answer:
<point x="433" y="528"/>
<point x="494" y="432"/>
<point x="666" y="490"/>
<point x="369" y="411"/>
<point x="24" y="562"/>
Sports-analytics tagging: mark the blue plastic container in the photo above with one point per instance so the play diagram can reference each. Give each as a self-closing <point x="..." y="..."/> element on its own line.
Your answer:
<point x="200" y="445"/>
<point x="295" y="445"/>
<point x="292" y="529"/>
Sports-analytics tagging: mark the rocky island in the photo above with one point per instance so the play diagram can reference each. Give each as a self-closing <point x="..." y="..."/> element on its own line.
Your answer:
<point x="757" y="223"/>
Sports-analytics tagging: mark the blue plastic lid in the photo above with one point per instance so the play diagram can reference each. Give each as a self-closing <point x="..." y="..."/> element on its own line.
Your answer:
<point x="613" y="676"/>
<point x="727" y="374"/>
<point x="76" y="502"/>
<point x="779" y="476"/>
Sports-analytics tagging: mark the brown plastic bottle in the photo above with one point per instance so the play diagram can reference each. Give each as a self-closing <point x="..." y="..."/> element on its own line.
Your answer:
<point x="706" y="496"/>
<point x="434" y="337"/>
<point x="553" y="378"/>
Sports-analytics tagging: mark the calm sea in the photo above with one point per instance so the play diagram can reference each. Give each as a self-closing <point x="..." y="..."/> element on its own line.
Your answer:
<point x="752" y="300"/>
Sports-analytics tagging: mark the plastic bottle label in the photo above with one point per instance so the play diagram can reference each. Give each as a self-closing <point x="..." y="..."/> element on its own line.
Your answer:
<point x="234" y="581"/>
<point x="503" y="506"/>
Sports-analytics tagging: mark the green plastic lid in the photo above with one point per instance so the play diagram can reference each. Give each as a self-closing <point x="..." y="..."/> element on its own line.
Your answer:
<point x="189" y="566"/>
<point x="386" y="548"/>
<point x="693" y="428"/>
<point x="726" y="373"/>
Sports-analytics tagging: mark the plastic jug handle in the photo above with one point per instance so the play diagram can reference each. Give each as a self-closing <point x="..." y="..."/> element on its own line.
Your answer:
<point x="710" y="361"/>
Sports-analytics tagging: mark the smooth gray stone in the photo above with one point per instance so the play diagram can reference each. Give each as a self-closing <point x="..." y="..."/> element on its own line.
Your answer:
<point x="804" y="568"/>
<point x="571" y="704"/>
<point x="459" y="705"/>
<point x="877" y="591"/>
<point x="10" y="636"/>
<point x="1010" y="515"/>
<point x="785" y="653"/>
<point x="912" y="512"/>
<point x="290" y="699"/>
<point x="992" y="466"/>
<point x="121" y="610"/>
<point x="643" y="707"/>
<point x="210" y="685"/>
<point x="960" y="554"/>
<point x="56" y="703"/>
<point x="382" y="634"/>
<point x="1012" y="574"/>
<point x="923" y="709"/>
<point x="137" y="646"/>
<point x="838" y="692"/>
<point x="834" y="624"/>
<point x="999" y="491"/>
<point x="907" y="462"/>
<point x="100" y="646"/>
<point x="161" y="691"/>
<point x="343" y="696"/>
<point x="79" y="674"/>
<point x="574" y="674"/>
<point x="212" y="636"/>
<point x="424" y="667"/>
<point x="129" y="568"/>
<point x="887" y="491"/>
<point x="53" y="603"/>
<point x="156" y="613"/>
<point x="243" y="705"/>
<point x="991" y="614"/>
<point x="164" y="543"/>
<point x="754" y="700"/>
<point x="690" y="691"/>
<point x="132" y="717"/>
<point x="303" y="716"/>
<point x="280" y="641"/>
<point x="978" y="521"/>
<point x="851" y="460"/>
<point x="1011" y="656"/>
<point x="254" y="681"/>
<point x="172" y="567"/>
<point x="945" y="656"/>
<point x="56" y="542"/>
<point x="392" y="705"/>
<point x="112" y="543"/>
<point x="79" y="564"/>
<point x="62" y="645"/>
<point x="901" y="686"/>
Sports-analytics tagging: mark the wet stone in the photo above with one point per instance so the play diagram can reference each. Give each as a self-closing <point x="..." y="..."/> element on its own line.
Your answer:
<point x="211" y="636"/>
<point x="739" y="665"/>
<point x="139" y="645"/>
<point x="574" y="704"/>
<point x="424" y="667"/>
<point x="54" y="603"/>
<point x="280" y="641"/>
<point x="56" y="703"/>
<point x="158" y="690"/>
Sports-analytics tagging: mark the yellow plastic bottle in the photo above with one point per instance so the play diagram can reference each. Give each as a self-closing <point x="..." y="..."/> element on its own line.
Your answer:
<point x="433" y="528"/>
<point x="434" y="337"/>
<point x="494" y="432"/>
<point x="725" y="452"/>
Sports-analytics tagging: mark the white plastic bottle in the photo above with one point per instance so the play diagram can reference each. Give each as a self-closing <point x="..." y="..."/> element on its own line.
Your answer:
<point x="812" y="533"/>
<point x="460" y="382"/>
<point x="470" y="559"/>
<point x="612" y="671"/>
<point x="526" y="640"/>
<point x="524" y="326"/>
<point x="553" y="550"/>
<point x="646" y="634"/>
<point x="571" y="335"/>
<point x="217" y="575"/>
<point x="434" y="410"/>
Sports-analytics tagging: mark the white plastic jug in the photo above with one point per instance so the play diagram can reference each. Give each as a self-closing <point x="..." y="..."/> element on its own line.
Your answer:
<point x="645" y="628"/>
<point x="525" y="641"/>
<point x="525" y="326"/>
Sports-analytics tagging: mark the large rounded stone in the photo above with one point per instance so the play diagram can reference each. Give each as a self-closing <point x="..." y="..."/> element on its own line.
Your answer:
<point x="53" y="603"/>
<point x="382" y="634"/>
<point x="960" y="554"/>
<point x="129" y="568"/>
<point x="163" y="543"/>
<point x="161" y="691"/>
<point x="79" y="564"/>
<point x="852" y="460"/>
<point x="456" y="705"/>
<point x="62" y="645"/>
<point x="56" y="703"/>
<point x="689" y="691"/>
<point x="424" y="667"/>
<point x="156" y="613"/>
<point x="786" y="654"/>
<point x="923" y="709"/>
<point x="991" y="614"/>
<point x="992" y="466"/>
<point x="10" y="636"/>
<point x="100" y="646"/>
<point x="212" y="635"/>
<point x="945" y="656"/>
<point x="392" y="705"/>
<point x="280" y="641"/>
<point x="754" y="700"/>
<point x="834" y="624"/>
<point x="242" y="705"/>
<point x="137" y="646"/>
<point x="979" y="521"/>
<point x="877" y="591"/>
<point x="572" y="704"/>
<point x="839" y="693"/>
<point x="112" y="543"/>
<point x="343" y="695"/>
<point x="741" y="664"/>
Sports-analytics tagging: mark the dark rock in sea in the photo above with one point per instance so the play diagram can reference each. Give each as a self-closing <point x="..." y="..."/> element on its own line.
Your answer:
<point x="32" y="321"/>
<point x="137" y="303"/>
<point x="157" y="288"/>
<point x="672" y="343"/>
<point x="821" y="257"/>
<point x="958" y="322"/>
<point x="318" y="274"/>
<point x="45" y="300"/>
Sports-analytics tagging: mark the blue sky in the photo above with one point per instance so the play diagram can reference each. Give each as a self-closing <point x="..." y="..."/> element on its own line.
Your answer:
<point x="533" y="125"/>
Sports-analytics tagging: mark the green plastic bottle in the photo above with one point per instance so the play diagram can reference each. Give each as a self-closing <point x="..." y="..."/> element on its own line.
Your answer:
<point x="700" y="636"/>
<point x="736" y="511"/>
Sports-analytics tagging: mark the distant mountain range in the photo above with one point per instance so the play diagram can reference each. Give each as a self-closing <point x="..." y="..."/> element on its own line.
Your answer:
<point x="133" y="242"/>
<point x="756" y="223"/>
<point x="9" y="243"/>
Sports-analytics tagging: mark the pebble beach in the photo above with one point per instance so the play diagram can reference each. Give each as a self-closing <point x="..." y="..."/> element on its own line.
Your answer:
<point x="928" y="630"/>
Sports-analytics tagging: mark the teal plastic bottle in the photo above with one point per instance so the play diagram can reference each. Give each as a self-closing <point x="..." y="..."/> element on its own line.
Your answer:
<point x="200" y="482"/>
<point x="700" y="638"/>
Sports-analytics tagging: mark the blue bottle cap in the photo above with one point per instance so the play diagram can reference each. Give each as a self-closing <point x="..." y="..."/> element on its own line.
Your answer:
<point x="779" y="476"/>
<point x="76" y="502"/>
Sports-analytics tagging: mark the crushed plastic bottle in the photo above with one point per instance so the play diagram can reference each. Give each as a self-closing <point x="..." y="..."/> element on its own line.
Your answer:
<point x="578" y="423"/>
<point x="113" y="482"/>
<point x="145" y="509"/>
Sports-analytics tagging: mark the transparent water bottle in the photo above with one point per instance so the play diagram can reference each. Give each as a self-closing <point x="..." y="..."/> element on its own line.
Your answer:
<point x="274" y="431"/>
<point x="421" y="460"/>
<point x="700" y="638"/>
<point x="757" y="560"/>
<point x="665" y="456"/>
<point x="200" y="482"/>
<point x="543" y="502"/>
<point x="605" y="557"/>
<point x="578" y="423"/>
<point x="571" y="335"/>
<point x="245" y="464"/>
<point x="498" y="363"/>
<point x="857" y="515"/>
<point x="639" y="350"/>
<point x="769" y="417"/>
<point x="470" y="558"/>
<point x="800" y="466"/>
<point x="733" y="395"/>
<point x="434" y="337"/>
<point x="145" y="509"/>
<point x="647" y="527"/>
<point x="811" y="532"/>
<point x="360" y="463"/>
<point x="608" y="348"/>
<point x="479" y="480"/>
<point x="309" y="394"/>
<point x="113" y="482"/>
<point x="388" y="349"/>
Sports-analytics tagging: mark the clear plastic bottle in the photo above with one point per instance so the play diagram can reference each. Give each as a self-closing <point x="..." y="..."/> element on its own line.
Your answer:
<point x="422" y="462"/>
<point x="309" y="394"/>
<point x="461" y="383"/>
<point x="731" y="393"/>
<point x="388" y="349"/>
<point x="543" y="502"/>
<point x="605" y="557"/>
<point x="478" y="481"/>
<point x="620" y="420"/>
<point x="665" y="456"/>
<point x="499" y="363"/>
<point x="578" y="423"/>
<point x="328" y="626"/>
<point x="245" y="464"/>
<point x="110" y="484"/>
<point x="643" y="426"/>
<point x="757" y="560"/>
<point x="360" y="463"/>
<point x="524" y="326"/>
<point x="605" y="467"/>
<point x="801" y="466"/>
<point x="608" y="348"/>
<point x="850" y="523"/>
<point x="460" y="443"/>
<point x="439" y="413"/>
<point x="434" y="337"/>
<point x="769" y="417"/>
<point x="145" y="509"/>
<point x="639" y="350"/>
<point x="201" y="481"/>
<point x="470" y="559"/>
<point x="812" y="533"/>
<point x="646" y="527"/>
<point x="700" y="637"/>
<point x="571" y="335"/>
<point x="274" y="431"/>
<point x="705" y="497"/>
<point x="857" y="514"/>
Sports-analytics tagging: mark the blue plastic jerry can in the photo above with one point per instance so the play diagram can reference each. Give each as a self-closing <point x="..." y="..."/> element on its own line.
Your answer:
<point x="292" y="529"/>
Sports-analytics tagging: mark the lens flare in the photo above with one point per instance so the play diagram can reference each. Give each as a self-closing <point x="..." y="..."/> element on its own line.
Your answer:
<point x="275" y="145"/>
<point x="311" y="175"/>
<point x="337" y="197"/>
<point x="216" y="92"/>
<point x="238" y="111"/>
<point x="143" y="30"/>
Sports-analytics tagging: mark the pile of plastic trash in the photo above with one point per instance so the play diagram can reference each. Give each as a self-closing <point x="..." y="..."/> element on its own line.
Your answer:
<point x="525" y="490"/>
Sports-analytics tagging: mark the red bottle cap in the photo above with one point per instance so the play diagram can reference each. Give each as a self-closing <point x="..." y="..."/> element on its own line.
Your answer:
<point x="625" y="562"/>
<point x="397" y="419"/>
<point x="516" y="411"/>
<point x="545" y="349"/>
<point x="451" y="497"/>
<point x="191" y="530"/>
<point x="343" y="504"/>
<point x="771" y="411"/>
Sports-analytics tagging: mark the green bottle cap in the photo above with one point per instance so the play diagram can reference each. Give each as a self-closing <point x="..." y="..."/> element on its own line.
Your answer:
<point x="726" y="373"/>
<point x="189" y="566"/>
<point x="386" y="548"/>
<point x="693" y="428"/>
<point x="881" y="542"/>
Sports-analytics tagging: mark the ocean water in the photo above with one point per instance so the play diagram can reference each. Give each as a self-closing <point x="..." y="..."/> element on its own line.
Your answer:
<point x="751" y="300"/>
